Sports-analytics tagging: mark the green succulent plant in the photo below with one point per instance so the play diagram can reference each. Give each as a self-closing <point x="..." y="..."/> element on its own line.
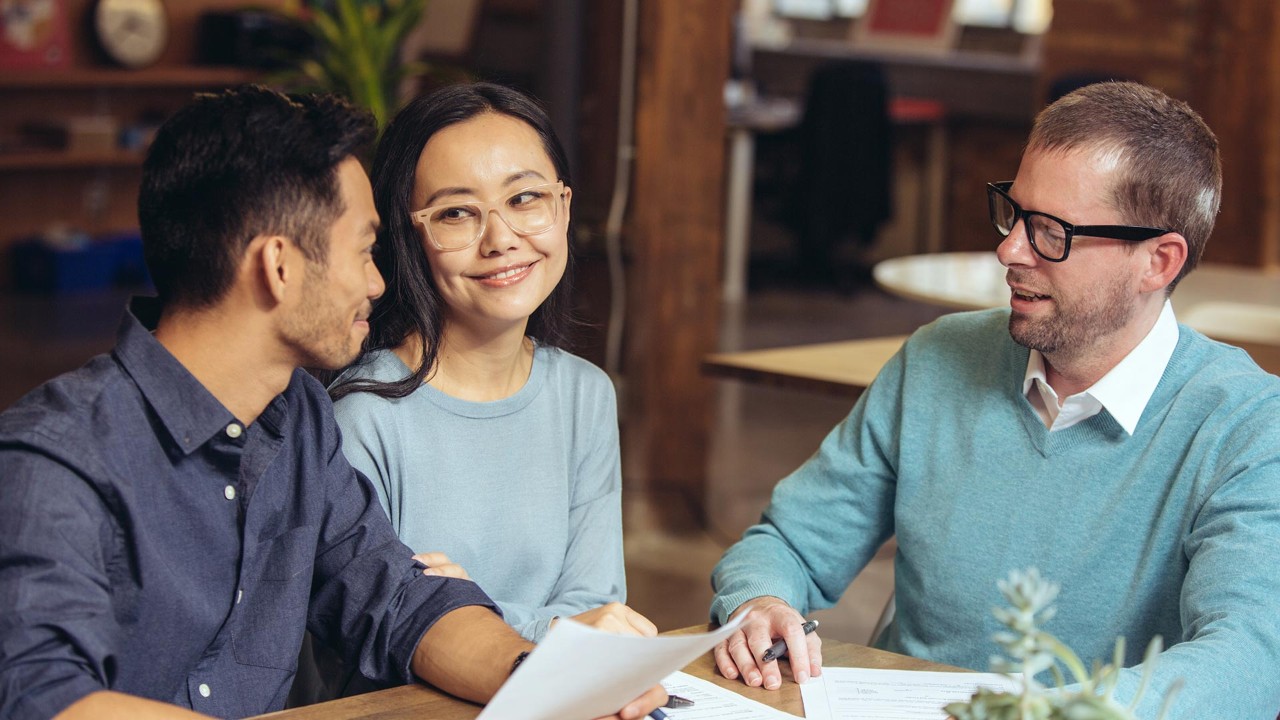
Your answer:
<point x="1032" y="651"/>
<point x="356" y="50"/>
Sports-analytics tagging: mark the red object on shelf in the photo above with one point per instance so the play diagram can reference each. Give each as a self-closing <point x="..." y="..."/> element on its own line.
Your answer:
<point x="34" y="34"/>
<point x="914" y="110"/>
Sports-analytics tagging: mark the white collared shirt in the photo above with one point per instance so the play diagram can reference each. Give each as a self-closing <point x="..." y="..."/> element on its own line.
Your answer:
<point x="1124" y="391"/>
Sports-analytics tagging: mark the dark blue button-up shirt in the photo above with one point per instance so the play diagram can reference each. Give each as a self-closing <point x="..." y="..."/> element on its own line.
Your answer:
<point x="152" y="544"/>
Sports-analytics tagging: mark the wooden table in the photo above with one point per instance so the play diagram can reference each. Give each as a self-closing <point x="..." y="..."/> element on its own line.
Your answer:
<point x="418" y="702"/>
<point x="843" y="369"/>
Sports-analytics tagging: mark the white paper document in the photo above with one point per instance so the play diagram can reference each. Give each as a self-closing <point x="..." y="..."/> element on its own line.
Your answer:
<point x="712" y="702"/>
<point x="865" y="694"/>
<point x="579" y="673"/>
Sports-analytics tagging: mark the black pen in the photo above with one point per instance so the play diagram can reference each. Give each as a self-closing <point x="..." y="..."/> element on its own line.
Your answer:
<point x="675" y="701"/>
<point x="656" y="714"/>
<point x="779" y="648"/>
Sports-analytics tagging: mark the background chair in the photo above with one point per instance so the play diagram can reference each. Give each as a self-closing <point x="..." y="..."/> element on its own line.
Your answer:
<point x="843" y="192"/>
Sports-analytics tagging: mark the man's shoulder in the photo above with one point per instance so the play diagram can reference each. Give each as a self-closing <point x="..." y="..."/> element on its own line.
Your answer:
<point x="959" y="334"/>
<point x="1216" y="369"/>
<point x="307" y="400"/>
<point x="66" y="408"/>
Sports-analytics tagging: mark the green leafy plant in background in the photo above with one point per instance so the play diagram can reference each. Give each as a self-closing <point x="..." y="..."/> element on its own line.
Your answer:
<point x="356" y="50"/>
<point x="1032" y="651"/>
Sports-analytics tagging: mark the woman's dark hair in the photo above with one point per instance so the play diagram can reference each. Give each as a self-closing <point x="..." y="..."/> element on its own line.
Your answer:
<point x="412" y="304"/>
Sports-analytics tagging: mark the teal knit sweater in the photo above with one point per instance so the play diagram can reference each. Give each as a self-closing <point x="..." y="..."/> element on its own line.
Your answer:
<point x="1174" y="531"/>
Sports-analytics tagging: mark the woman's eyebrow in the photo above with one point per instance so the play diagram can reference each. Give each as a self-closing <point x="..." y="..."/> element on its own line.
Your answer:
<point x="459" y="190"/>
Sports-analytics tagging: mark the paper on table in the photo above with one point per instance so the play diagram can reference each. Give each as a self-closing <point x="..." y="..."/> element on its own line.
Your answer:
<point x="712" y="702"/>
<point x="865" y="694"/>
<point x="580" y="672"/>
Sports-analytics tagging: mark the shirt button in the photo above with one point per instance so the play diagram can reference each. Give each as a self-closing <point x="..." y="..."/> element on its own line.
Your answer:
<point x="204" y="690"/>
<point x="234" y="430"/>
<point x="239" y="594"/>
<point x="229" y="492"/>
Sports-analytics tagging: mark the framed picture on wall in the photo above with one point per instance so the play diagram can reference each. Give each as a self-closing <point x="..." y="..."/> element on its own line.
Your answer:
<point x="912" y="25"/>
<point x="33" y="34"/>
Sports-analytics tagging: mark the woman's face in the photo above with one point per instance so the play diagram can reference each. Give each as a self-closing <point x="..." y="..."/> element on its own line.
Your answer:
<point x="503" y="277"/>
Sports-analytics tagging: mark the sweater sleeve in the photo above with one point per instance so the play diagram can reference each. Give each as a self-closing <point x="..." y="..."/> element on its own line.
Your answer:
<point x="1228" y="656"/>
<point x="369" y="437"/>
<point x="826" y="519"/>
<point x="593" y="572"/>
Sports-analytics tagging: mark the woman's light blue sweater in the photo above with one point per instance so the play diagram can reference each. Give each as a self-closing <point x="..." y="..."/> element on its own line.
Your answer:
<point x="1174" y="531"/>
<point x="525" y="492"/>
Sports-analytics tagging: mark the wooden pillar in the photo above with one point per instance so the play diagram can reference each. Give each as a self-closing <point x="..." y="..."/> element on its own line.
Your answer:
<point x="1219" y="56"/>
<point x="675" y="238"/>
<point x="1234" y="82"/>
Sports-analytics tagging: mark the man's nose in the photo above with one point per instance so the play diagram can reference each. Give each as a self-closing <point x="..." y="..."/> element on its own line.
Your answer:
<point x="376" y="284"/>
<point x="1015" y="248"/>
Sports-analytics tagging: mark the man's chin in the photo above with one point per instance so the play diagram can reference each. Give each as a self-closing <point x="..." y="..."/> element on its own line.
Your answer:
<point x="1024" y="333"/>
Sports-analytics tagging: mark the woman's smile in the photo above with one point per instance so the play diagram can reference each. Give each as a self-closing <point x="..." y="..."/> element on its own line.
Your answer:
<point x="505" y="276"/>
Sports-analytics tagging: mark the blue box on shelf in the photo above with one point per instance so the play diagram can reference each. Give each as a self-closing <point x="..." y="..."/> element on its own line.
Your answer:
<point x="73" y="263"/>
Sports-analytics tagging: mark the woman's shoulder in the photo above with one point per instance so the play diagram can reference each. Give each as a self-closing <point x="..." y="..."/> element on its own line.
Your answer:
<point x="382" y="366"/>
<point x="565" y="368"/>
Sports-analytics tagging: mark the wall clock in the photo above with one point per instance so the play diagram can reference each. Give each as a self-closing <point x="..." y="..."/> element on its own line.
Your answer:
<point x="132" y="33"/>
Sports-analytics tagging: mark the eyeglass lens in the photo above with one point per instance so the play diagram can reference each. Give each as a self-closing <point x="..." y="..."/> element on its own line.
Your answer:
<point x="1048" y="237"/>
<point x="527" y="212"/>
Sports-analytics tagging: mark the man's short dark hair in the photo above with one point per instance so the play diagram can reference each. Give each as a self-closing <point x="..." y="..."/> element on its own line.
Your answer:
<point x="1170" y="172"/>
<point x="235" y="165"/>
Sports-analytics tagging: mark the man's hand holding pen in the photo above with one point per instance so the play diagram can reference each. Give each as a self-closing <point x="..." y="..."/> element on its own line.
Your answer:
<point x="742" y="654"/>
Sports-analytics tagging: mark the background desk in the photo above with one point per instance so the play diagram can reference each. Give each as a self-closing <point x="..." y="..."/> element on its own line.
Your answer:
<point x="840" y="368"/>
<point x="415" y="702"/>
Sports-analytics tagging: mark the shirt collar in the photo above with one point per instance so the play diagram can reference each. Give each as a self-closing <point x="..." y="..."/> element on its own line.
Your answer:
<point x="188" y="411"/>
<point x="1127" y="388"/>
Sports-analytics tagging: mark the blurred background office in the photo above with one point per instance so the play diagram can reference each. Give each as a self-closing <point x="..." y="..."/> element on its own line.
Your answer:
<point x="740" y="169"/>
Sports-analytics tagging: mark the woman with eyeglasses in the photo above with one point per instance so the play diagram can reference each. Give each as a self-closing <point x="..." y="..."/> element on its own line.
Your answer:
<point x="494" y="451"/>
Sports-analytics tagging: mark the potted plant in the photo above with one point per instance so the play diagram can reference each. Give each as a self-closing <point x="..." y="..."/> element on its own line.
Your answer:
<point x="356" y="50"/>
<point x="1032" y="651"/>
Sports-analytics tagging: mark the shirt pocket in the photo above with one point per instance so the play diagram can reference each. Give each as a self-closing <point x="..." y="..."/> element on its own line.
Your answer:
<point x="275" y="599"/>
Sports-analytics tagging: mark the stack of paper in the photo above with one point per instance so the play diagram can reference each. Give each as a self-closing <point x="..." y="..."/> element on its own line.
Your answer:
<point x="864" y="694"/>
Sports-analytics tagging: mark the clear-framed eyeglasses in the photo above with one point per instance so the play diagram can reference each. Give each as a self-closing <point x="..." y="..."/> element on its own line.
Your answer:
<point x="459" y="225"/>
<point x="1051" y="236"/>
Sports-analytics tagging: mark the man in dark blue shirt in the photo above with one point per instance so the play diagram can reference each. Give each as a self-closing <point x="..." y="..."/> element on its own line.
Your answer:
<point x="174" y="515"/>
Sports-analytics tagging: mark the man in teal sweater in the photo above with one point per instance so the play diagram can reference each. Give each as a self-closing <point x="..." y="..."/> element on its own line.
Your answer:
<point x="1081" y="431"/>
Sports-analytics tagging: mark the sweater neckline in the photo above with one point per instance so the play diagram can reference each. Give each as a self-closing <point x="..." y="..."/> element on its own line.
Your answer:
<point x="493" y="408"/>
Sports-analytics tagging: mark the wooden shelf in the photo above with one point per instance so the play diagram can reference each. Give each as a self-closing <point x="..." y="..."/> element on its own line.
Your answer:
<point x="56" y="159"/>
<point x="156" y="77"/>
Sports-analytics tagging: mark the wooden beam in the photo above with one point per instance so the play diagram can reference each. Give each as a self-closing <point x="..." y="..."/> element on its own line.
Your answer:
<point x="675" y="239"/>
<point x="1218" y="56"/>
<point x="1234" y="82"/>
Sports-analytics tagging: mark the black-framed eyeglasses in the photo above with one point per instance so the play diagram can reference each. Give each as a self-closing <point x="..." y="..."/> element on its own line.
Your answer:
<point x="1050" y="236"/>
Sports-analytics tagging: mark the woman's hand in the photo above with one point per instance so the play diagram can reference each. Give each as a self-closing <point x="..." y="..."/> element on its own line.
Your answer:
<point x="439" y="564"/>
<point x="618" y="619"/>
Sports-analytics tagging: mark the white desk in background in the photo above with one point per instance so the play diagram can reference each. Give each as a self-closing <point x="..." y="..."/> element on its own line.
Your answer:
<point x="1234" y="304"/>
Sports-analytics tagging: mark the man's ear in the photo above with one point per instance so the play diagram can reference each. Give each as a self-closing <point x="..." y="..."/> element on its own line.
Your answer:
<point x="1167" y="254"/>
<point x="271" y="261"/>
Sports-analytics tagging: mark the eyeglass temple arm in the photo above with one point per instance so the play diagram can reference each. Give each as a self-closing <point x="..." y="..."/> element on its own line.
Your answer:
<point x="1119" y="232"/>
